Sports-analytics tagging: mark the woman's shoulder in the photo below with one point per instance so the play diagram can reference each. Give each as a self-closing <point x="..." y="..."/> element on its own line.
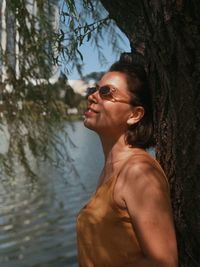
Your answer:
<point x="140" y="159"/>
<point x="141" y="175"/>
<point x="143" y="168"/>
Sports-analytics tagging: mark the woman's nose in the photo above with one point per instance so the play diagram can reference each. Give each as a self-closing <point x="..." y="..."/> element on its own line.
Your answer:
<point x="93" y="97"/>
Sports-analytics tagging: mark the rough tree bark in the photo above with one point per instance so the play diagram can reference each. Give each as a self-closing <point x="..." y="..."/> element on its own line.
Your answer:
<point x="168" y="32"/>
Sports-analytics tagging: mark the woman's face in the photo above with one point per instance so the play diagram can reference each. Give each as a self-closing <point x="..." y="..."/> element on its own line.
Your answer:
<point x="109" y="115"/>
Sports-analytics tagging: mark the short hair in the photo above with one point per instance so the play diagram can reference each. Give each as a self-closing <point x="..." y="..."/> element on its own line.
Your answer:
<point x="132" y="65"/>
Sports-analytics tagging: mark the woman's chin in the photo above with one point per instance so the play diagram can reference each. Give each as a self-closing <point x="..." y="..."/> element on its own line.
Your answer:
<point x="88" y="124"/>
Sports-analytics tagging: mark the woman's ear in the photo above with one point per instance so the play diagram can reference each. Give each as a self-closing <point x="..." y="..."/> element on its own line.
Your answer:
<point x="136" y="115"/>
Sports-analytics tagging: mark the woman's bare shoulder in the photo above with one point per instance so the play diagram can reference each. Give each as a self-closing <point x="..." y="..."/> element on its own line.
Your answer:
<point x="143" y="170"/>
<point x="139" y="162"/>
<point x="141" y="176"/>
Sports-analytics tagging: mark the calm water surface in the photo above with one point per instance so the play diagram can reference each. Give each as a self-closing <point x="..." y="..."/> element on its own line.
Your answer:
<point x="37" y="216"/>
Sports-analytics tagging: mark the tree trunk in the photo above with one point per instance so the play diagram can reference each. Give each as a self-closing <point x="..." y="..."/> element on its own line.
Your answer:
<point x="168" y="33"/>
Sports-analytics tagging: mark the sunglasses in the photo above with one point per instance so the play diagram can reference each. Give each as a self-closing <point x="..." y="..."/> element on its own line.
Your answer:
<point x="106" y="92"/>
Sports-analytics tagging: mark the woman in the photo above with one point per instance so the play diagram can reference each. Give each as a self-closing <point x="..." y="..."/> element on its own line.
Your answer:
<point x="128" y="221"/>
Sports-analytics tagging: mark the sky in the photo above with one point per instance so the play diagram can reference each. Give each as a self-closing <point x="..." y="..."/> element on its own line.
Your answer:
<point x="91" y="62"/>
<point x="90" y="56"/>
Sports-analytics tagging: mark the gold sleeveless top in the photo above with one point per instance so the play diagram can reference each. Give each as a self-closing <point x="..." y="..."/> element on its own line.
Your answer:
<point x="105" y="235"/>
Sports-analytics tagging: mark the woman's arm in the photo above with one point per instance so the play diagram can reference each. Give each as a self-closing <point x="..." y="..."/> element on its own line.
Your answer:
<point x="144" y="192"/>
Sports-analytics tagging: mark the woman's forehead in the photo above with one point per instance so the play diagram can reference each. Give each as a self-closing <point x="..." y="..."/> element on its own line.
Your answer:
<point x="115" y="78"/>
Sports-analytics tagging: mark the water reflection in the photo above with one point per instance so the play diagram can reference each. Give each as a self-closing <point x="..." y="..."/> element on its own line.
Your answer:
<point x="37" y="216"/>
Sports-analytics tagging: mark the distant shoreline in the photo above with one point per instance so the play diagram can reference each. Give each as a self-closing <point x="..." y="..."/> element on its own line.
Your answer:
<point x="41" y="110"/>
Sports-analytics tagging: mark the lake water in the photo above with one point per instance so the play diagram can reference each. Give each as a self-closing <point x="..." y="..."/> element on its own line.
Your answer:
<point x="37" y="216"/>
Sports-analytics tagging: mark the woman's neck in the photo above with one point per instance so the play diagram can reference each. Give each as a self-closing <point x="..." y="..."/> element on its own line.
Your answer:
<point x="116" y="149"/>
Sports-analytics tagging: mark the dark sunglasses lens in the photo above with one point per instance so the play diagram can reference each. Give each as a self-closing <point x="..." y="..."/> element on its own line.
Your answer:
<point x="91" y="91"/>
<point x="104" y="90"/>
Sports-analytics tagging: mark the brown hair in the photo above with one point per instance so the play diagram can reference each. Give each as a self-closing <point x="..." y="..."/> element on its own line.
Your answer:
<point x="132" y="65"/>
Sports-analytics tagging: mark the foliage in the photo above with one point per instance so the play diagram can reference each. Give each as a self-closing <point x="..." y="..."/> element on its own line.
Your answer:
<point x="34" y="37"/>
<point x="34" y="50"/>
<point x="84" y="21"/>
<point x="40" y="45"/>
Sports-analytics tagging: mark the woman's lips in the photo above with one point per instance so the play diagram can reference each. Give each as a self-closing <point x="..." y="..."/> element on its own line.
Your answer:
<point x="90" y="112"/>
